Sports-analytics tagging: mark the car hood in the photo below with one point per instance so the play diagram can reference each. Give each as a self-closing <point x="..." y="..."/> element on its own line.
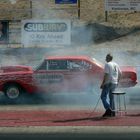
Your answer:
<point x="14" y="69"/>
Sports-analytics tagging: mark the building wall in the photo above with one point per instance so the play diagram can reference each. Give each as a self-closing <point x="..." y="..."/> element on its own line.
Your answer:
<point x="48" y="9"/>
<point x="45" y="9"/>
<point x="90" y="11"/>
<point x="16" y="11"/>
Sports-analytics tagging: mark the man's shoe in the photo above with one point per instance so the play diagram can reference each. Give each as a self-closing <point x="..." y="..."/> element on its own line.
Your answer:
<point x="107" y="113"/>
<point x="113" y="114"/>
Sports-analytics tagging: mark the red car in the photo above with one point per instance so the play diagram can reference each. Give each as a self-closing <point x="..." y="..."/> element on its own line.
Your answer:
<point x="56" y="74"/>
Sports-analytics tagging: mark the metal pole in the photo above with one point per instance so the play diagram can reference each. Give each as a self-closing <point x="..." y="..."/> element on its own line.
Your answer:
<point x="79" y="9"/>
<point x="106" y="16"/>
<point x="8" y="32"/>
<point x="31" y="9"/>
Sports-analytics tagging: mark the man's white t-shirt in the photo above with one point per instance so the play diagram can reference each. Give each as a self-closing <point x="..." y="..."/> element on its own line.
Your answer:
<point x="113" y="71"/>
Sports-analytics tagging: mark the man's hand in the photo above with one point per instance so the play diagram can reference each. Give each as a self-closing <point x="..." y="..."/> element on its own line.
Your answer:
<point x="104" y="79"/>
<point x="101" y="87"/>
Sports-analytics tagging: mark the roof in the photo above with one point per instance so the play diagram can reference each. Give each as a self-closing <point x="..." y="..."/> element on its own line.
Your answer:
<point x="78" y="57"/>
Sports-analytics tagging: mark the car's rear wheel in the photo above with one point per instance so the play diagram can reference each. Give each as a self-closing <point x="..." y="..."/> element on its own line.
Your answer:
<point x="12" y="91"/>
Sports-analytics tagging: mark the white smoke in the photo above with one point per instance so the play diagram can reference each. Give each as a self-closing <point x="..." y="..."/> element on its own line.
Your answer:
<point x="120" y="49"/>
<point x="13" y="1"/>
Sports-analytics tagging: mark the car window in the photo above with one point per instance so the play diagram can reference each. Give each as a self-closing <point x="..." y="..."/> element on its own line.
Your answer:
<point x="78" y="65"/>
<point x="97" y="62"/>
<point x="74" y="65"/>
<point x="57" y="64"/>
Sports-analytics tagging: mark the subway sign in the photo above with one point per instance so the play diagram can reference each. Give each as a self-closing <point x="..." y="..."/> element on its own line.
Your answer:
<point x="44" y="32"/>
<point x="65" y="1"/>
<point x="45" y="27"/>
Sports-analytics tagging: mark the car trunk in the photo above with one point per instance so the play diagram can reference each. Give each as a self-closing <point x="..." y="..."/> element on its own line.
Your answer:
<point x="129" y="76"/>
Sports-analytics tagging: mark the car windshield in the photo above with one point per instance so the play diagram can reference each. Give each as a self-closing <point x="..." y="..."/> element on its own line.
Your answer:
<point x="35" y="65"/>
<point x="97" y="62"/>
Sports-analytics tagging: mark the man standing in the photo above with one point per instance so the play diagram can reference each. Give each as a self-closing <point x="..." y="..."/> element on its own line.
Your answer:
<point x="112" y="74"/>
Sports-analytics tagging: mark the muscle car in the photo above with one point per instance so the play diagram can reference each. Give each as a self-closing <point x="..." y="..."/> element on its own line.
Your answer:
<point x="58" y="74"/>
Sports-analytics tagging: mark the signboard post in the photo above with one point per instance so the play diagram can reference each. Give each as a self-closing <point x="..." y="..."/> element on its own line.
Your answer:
<point x="70" y="2"/>
<point x="79" y="4"/>
<point x="106" y="16"/>
<point x="46" y="32"/>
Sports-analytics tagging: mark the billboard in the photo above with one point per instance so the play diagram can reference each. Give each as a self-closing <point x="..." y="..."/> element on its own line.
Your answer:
<point x="43" y="32"/>
<point x="122" y="5"/>
<point x="4" y="32"/>
<point x="65" y="1"/>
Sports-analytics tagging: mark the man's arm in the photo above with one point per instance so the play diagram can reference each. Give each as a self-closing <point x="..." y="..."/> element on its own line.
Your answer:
<point x="119" y="74"/>
<point x="104" y="80"/>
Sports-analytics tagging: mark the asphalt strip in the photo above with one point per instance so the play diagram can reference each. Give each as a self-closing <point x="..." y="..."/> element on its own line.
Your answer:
<point x="71" y="130"/>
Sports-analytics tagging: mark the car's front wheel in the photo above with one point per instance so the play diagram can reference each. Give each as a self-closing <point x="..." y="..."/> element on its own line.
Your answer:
<point x="12" y="91"/>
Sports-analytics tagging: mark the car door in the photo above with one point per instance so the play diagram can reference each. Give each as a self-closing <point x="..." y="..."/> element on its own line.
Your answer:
<point x="50" y="75"/>
<point x="63" y="75"/>
<point x="78" y="76"/>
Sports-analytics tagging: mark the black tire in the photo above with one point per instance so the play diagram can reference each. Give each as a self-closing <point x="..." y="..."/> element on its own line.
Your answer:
<point x="12" y="91"/>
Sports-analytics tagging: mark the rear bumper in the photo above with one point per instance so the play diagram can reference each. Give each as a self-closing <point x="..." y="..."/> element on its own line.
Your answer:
<point x="129" y="84"/>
